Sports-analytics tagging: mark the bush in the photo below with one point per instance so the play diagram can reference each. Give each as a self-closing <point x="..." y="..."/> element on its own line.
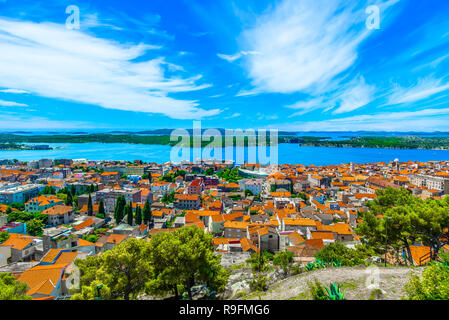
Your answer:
<point x="259" y="282"/>
<point x="317" y="291"/>
<point x="338" y="252"/>
<point x="434" y="282"/>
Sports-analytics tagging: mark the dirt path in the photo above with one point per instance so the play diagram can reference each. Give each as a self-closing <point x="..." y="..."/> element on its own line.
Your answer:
<point x="356" y="282"/>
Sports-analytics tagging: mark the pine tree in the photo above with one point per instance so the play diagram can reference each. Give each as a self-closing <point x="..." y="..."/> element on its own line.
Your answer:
<point x="147" y="213"/>
<point x="138" y="218"/>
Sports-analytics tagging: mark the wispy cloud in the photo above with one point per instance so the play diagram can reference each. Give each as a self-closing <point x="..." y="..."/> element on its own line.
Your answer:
<point x="4" y="103"/>
<point x="235" y="115"/>
<point x="51" y="61"/>
<point x="15" y="91"/>
<point x="311" y="42"/>
<point x="356" y="95"/>
<point x="234" y="57"/>
<point x="422" y="120"/>
<point x="423" y="89"/>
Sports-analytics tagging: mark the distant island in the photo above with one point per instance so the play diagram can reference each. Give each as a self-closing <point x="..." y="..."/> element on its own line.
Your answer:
<point x="409" y="142"/>
<point x="15" y="146"/>
<point x="10" y="141"/>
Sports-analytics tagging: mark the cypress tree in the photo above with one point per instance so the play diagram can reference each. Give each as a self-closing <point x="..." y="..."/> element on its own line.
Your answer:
<point x="101" y="210"/>
<point x="147" y="213"/>
<point x="138" y="216"/>
<point x="129" y="214"/>
<point x="90" y="210"/>
<point x="69" y="199"/>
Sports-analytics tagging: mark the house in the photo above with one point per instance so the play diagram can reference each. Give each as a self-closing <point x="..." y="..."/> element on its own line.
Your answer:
<point x="187" y="201"/>
<point x="60" y="214"/>
<point x="59" y="238"/>
<point x="109" y="176"/>
<point x="22" y="247"/>
<point x="44" y="281"/>
<point x="196" y="187"/>
<point x="5" y="254"/>
<point x="113" y="240"/>
<point x="266" y="238"/>
<point x="235" y="229"/>
<point x="41" y="203"/>
<point x="298" y="224"/>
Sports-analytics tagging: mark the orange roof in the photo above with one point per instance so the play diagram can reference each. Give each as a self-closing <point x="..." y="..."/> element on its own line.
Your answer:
<point x="16" y="241"/>
<point x="322" y="235"/>
<point x="218" y="241"/>
<point x="235" y="224"/>
<point x="42" y="279"/>
<point x="116" y="238"/>
<point x="300" y="222"/>
<point x="84" y="243"/>
<point x="197" y="224"/>
<point x="51" y="255"/>
<point x="86" y="223"/>
<point x="58" y="210"/>
<point x="192" y="197"/>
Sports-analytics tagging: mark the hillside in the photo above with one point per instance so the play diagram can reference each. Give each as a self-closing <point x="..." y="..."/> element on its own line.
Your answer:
<point x="392" y="281"/>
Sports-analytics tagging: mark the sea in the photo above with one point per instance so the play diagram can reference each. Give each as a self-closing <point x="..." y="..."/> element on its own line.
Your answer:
<point x="285" y="153"/>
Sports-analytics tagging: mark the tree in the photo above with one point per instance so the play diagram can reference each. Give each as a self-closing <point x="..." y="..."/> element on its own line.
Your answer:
<point x="147" y="212"/>
<point x="122" y="272"/>
<point x="284" y="259"/>
<point x="337" y="251"/>
<point x="101" y="211"/>
<point x="69" y="199"/>
<point x="434" y="282"/>
<point x="35" y="227"/>
<point x="90" y="211"/>
<point x="4" y="236"/>
<point x="397" y="219"/>
<point x="11" y="289"/>
<point x="138" y="218"/>
<point x="258" y="262"/>
<point x="119" y="211"/>
<point x="182" y="259"/>
<point x="259" y="265"/>
<point x="129" y="214"/>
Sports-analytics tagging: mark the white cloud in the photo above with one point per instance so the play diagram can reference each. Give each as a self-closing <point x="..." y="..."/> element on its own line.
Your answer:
<point x="230" y="58"/>
<point x="306" y="106"/>
<point x="20" y="122"/>
<point x="51" y="61"/>
<point x="233" y="57"/>
<point x="303" y="45"/>
<point x="235" y="115"/>
<point x="355" y="96"/>
<point x="349" y="97"/>
<point x="16" y="91"/>
<point x="4" y="103"/>
<point x="422" y="120"/>
<point x="423" y="89"/>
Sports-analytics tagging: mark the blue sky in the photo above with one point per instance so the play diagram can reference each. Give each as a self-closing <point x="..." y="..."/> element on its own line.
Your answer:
<point x="303" y="65"/>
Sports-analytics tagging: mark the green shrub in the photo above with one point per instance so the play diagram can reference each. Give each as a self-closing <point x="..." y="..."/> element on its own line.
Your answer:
<point x="317" y="291"/>
<point x="434" y="282"/>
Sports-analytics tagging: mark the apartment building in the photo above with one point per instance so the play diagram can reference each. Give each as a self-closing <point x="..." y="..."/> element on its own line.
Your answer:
<point x="15" y="192"/>
<point x="59" y="214"/>
<point x="42" y="203"/>
<point x="109" y="197"/>
<point x="431" y="182"/>
<point x="187" y="201"/>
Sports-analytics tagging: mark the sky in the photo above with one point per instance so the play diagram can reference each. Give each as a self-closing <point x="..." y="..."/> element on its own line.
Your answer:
<point x="299" y="65"/>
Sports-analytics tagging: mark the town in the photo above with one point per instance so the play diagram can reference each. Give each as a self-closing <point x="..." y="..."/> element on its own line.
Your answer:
<point x="55" y="212"/>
